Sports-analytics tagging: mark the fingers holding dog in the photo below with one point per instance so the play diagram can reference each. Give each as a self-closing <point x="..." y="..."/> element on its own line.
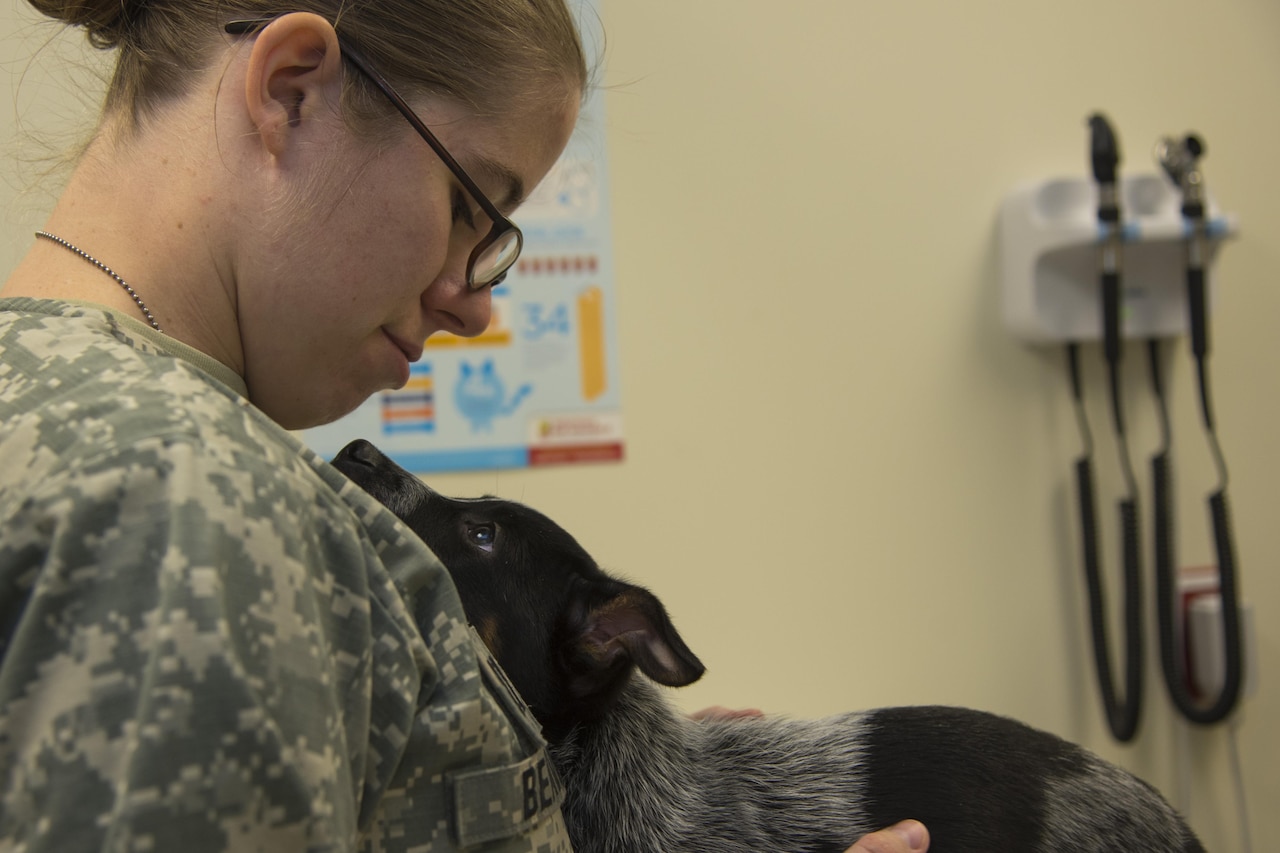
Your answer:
<point x="909" y="836"/>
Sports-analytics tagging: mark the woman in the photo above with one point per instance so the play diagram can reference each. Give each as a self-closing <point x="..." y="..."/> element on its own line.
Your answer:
<point x="208" y="639"/>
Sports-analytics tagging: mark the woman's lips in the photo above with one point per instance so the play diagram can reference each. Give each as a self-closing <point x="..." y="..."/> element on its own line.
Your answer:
<point x="412" y="351"/>
<point x="407" y="354"/>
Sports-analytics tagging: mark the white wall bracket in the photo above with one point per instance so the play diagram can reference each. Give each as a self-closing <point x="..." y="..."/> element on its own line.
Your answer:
<point x="1049" y="237"/>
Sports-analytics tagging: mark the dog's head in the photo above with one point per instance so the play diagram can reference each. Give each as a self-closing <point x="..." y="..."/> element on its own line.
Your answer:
<point x="567" y="634"/>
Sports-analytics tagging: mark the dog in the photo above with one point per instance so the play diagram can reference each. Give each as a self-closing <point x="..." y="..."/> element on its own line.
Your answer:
<point x="585" y="649"/>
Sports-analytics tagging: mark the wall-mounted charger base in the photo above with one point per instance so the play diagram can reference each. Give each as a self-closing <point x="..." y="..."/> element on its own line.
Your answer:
<point x="1049" y="248"/>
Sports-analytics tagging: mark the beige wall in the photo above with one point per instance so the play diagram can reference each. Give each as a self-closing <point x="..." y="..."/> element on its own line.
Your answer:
<point x="847" y="481"/>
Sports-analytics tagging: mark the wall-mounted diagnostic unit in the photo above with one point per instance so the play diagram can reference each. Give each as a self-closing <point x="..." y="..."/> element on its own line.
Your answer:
<point x="1114" y="259"/>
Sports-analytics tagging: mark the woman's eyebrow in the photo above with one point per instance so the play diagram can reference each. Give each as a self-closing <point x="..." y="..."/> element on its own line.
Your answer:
<point x="506" y="178"/>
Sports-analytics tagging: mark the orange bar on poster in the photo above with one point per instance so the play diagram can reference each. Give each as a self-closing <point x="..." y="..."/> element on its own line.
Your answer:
<point x="591" y="342"/>
<point x="398" y="413"/>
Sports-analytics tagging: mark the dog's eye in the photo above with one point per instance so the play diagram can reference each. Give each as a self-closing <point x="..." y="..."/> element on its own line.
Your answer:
<point x="482" y="536"/>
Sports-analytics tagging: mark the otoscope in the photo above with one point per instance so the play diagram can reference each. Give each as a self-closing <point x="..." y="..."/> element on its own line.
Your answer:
<point x="1180" y="160"/>
<point x="1123" y="712"/>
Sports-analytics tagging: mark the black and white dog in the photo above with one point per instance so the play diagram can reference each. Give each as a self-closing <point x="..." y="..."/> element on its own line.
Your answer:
<point x="640" y="776"/>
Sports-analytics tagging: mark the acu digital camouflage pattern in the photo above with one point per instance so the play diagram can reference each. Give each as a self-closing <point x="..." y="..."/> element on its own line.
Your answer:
<point x="204" y="637"/>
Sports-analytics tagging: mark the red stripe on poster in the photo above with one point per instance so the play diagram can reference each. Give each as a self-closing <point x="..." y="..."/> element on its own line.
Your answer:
<point x="567" y="454"/>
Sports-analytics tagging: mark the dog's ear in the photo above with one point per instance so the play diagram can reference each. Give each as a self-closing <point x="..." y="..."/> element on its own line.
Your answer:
<point x="626" y="626"/>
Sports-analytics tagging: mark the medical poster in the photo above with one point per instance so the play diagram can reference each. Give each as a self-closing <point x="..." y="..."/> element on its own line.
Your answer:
<point x="540" y="385"/>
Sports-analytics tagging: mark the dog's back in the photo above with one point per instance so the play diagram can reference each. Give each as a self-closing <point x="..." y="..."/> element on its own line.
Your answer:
<point x="641" y="777"/>
<point x="647" y="778"/>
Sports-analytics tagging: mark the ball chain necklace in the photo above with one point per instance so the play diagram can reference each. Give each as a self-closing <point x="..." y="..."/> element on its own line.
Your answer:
<point x="133" y="294"/>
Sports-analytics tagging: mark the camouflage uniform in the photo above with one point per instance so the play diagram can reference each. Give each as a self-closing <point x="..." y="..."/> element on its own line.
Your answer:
<point x="207" y="634"/>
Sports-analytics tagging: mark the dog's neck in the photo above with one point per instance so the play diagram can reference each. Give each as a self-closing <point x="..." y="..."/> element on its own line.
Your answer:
<point x="627" y="774"/>
<point x="646" y="777"/>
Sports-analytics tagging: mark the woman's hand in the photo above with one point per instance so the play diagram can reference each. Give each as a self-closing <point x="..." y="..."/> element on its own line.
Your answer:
<point x="910" y="836"/>
<point x="719" y="712"/>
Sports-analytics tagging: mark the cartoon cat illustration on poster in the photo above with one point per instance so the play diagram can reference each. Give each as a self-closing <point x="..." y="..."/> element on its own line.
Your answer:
<point x="481" y="395"/>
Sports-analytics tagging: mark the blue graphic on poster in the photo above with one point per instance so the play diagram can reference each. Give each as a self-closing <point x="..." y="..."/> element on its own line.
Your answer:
<point x="540" y="385"/>
<point x="482" y="396"/>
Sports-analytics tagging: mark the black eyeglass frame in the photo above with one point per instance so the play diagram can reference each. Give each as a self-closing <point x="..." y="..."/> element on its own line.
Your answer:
<point x="502" y="226"/>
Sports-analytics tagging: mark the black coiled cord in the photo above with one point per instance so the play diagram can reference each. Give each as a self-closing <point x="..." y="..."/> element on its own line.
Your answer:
<point x="1170" y="649"/>
<point x="1123" y="711"/>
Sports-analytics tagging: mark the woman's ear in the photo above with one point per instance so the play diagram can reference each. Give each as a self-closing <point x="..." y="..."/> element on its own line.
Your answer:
<point x="294" y="71"/>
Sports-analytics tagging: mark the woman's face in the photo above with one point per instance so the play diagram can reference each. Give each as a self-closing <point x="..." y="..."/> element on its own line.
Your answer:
<point x="363" y="249"/>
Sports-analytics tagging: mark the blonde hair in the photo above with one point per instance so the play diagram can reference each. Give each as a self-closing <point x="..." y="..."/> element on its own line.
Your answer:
<point x="486" y="54"/>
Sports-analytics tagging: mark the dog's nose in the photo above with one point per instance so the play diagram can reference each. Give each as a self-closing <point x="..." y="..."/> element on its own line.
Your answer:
<point x="359" y="452"/>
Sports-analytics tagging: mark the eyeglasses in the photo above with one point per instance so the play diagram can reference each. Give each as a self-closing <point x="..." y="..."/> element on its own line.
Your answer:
<point x="493" y="256"/>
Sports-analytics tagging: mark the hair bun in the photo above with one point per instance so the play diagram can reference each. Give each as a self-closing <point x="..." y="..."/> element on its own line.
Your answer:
<point x="107" y="22"/>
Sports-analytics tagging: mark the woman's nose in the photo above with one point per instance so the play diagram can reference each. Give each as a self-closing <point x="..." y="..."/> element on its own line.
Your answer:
<point x="470" y="310"/>
<point x="459" y="309"/>
<point x="474" y="309"/>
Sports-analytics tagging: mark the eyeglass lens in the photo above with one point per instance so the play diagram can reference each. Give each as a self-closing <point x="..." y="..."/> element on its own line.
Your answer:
<point x="493" y="262"/>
